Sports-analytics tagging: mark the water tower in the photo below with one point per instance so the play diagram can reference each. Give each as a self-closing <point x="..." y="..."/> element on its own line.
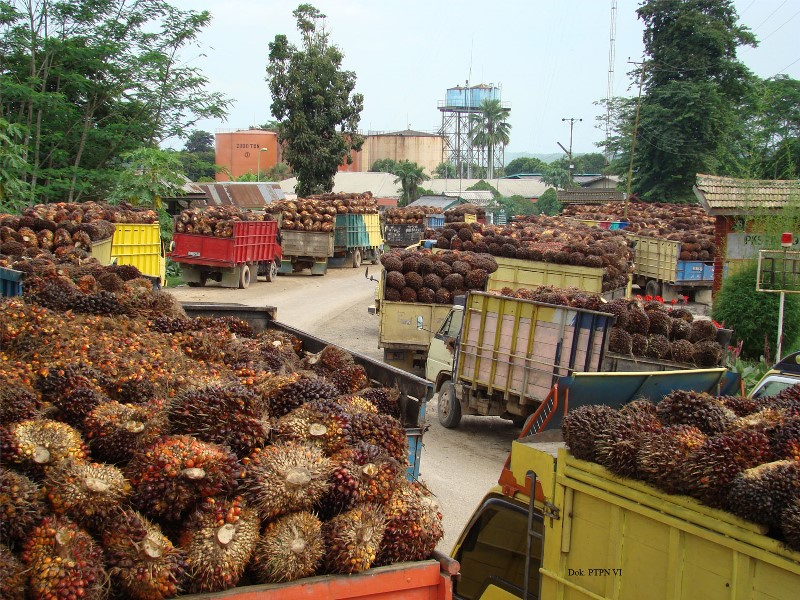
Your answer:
<point x="457" y="109"/>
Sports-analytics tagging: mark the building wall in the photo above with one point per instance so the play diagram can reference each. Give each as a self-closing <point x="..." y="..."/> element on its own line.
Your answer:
<point x="426" y="151"/>
<point x="241" y="152"/>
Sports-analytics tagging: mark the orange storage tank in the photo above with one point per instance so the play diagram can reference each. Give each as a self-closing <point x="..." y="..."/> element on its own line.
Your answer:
<point x="246" y="151"/>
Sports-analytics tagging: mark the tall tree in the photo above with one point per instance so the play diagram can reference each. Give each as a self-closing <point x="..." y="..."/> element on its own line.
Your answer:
<point x="692" y="85"/>
<point x="198" y="156"/>
<point x="445" y="170"/>
<point x="146" y="176"/>
<point x="91" y="81"/>
<point x="525" y="164"/>
<point x="199" y="141"/>
<point x="384" y="165"/>
<point x="313" y="100"/>
<point x="13" y="188"/>
<point x="489" y="129"/>
<point x="409" y="176"/>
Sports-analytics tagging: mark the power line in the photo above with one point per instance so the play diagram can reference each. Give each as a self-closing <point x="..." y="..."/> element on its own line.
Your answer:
<point x="770" y="15"/>
<point x="787" y="66"/>
<point x="782" y="26"/>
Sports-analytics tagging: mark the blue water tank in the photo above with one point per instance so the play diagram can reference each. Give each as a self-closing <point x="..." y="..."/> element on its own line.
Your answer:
<point x="481" y="93"/>
<point x="458" y="96"/>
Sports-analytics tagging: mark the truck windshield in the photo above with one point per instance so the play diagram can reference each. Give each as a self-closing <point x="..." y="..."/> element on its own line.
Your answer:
<point x="451" y="326"/>
<point x="773" y="386"/>
<point x="493" y="552"/>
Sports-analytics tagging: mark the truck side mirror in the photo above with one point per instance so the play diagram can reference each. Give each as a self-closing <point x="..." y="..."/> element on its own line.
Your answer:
<point x="420" y="322"/>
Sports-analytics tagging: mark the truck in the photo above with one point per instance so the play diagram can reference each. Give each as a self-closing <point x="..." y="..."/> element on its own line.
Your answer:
<point x="234" y="261"/>
<point x="403" y="235"/>
<point x="139" y="244"/>
<point x="353" y="239"/>
<point x="405" y="329"/>
<point x="501" y="356"/>
<point x="659" y="271"/>
<point x="591" y="534"/>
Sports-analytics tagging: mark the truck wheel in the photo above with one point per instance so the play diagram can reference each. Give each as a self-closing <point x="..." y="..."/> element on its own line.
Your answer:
<point x="272" y="271"/>
<point x="652" y="288"/>
<point x="244" y="277"/>
<point x="449" y="406"/>
<point x="356" y="258"/>
<point x="201" y="283"/>
<point x="376" y="256"/>
<point x="519" y="420"/>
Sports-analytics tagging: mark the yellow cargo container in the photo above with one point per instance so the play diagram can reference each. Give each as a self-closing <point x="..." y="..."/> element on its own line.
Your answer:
<point x="139" y="244"/>
<point x="373" y="224"/>
<point x="102" y="251"/>
<point x="595" y="535"/>
<point x="516" y="273"/>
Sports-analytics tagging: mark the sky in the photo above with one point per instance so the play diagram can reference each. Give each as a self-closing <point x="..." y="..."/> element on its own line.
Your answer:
<point x="550" y="58"/>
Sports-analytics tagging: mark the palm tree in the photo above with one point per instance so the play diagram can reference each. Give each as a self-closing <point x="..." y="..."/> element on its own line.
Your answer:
<point x="409" y="176"/>
<point x="489" y="129"/>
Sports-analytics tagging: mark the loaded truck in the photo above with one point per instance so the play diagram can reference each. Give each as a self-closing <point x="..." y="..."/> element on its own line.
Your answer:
<point x="403" y="235"/>
<point x="501" y="356"/>
<point x="354" y="239"/>
<point x="659" y="271"/>
<point x="234" y="261"/>
<point x="591" y="534"/>
<point x="139" y="244"/>
<point x="405" y="329"/>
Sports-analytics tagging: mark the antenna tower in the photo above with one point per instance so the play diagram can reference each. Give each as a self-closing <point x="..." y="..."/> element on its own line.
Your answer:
<point x="612" y="40"/>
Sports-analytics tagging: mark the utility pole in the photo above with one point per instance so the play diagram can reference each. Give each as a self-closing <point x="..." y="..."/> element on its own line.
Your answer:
<point x="633" y="140"/>
<point x="571" y="124"/>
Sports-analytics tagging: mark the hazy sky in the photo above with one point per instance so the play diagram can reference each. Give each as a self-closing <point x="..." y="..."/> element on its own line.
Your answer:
<point x="549" y="57"/>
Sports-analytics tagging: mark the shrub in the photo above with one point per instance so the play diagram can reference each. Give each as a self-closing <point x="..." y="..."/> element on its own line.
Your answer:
<point x="753" y="315"/>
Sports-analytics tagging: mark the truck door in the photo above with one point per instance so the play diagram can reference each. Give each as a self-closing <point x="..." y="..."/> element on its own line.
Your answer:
<point x="444" y="343"/>
<point x="492" y="553"/>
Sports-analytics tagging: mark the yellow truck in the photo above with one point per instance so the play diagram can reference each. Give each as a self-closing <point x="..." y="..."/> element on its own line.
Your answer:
<point x="406" y="329"/>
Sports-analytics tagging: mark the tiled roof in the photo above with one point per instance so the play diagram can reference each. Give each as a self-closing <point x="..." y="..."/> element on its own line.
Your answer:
<point x="590" y="196"/>
<point x="242" y="194"/>
<point x="729" y="196"/>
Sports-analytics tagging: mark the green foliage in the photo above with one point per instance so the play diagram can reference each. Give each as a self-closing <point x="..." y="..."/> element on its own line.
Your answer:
<point x="525" y="165"/>
<point x="548" y="204"/>
<point x="516" y="206"/>
<point x="489" y="129"/>
<point x="147" y="175"/>
<point x="409" y="176"/>
<point x="445" y="170"/>
<point x="753" y="315"/>
<point x="583" y="163"/>
<point x="312" y="100"/>
<point x="278" y="172"/>
<point x="199" y="141"/>
<point x="558" y="177"/>
<point x="384" y="165"/>
<point x="91" y="81"/>
<point x="14" y="189"/>
<point x="483" y="186"/>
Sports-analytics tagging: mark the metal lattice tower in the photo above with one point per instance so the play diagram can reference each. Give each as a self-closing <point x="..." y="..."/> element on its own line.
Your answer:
<point x="457" y="110"/>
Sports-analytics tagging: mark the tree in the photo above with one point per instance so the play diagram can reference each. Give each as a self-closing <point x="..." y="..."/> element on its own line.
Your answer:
<point x="384" y="165"/>
<point x="525" y="165"/>
<point x="91" y="81"/>
<point x="558" y="177"/>
<point x="311" y="97"/>
<point x="198" y="156"/>
<point x="490" y="129"/>
<point x="516" y="205"/>
<point x="445" y="170"/>
<point x="409" y="176"/>
<point x="692" y="84"/>
<point x="199" y="141"/>
<point x="146" y="176"/>
<point x="14" y="191"/>
<point x="548" y="204"/>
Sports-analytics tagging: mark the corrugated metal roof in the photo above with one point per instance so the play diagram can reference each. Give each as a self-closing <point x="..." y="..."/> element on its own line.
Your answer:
<point x="382" y="185"/>
<point x="590" y="196"/>
<point x="248" y="194"/>
<point x="476" y="197"/>
<point x="443" y="202"/>
<point x="729" y="196"/>
<point x="527" y="188"/>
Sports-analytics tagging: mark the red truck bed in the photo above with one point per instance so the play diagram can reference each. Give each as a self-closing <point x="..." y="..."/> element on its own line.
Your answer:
<point x="252" y="241"/>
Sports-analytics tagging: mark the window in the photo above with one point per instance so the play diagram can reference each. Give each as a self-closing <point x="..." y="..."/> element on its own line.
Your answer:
<point x="493" y="552"/>
<point x="774" y="385"/>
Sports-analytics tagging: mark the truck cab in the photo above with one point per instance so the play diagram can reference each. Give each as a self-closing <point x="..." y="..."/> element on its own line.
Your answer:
<point x="782" y="375"/>
<point x="444" y="345"/>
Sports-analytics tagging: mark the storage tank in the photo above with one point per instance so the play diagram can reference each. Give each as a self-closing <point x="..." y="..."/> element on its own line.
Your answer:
<point x="470" y="97"/>
<point x="245" y="151"/>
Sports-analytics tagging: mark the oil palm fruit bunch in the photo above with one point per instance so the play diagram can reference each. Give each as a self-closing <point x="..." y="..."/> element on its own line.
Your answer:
<point x="343" y="491"/>
<point x="788" y="399"/>
<point x="291" y="547"/>
<point x="116" y="431"/>
<point x="660" y="322"/>
<point x="707" y="353"/>
<point x="219" y="538"/>
<point x="704" y="411"/>
<point x="72" y="388"/>
<point x="413" y="525"/>
<point x="741" y="406"/>
<point x="619" y="341"/>
<point x="582" y="427"/>
<point x="381" y="430"/>
<point x="680" y="329"/>
<point x="354" y="403"/>
<point x="38" y="444"/>
<point x="639" y="343"/>
<point x="288" y="397"/>
<point x="617" y="448"/>
<point x="174" y="473"/>
<point x="702" y="329"/>
<point x="638" y="321"/>
<point x="387" y="400"/>
<point x="662" y="454"/>
<point x="790" y="524"/>
<point x="377" y="471"/>
<point x="762" y="493"/>
<point x="682" y="350"/>
<point x="225" y="413"/>
<point x="337" y="366"/>
<point x="12" y="575"/>
<point x="322" y="423"/>
<point x="21" y="506"/>
<point x="709" y="471"/>
<point x="285" y="477"/>
<point x="18" y="403"/>
<point x="142" y="562"/>
<point x="88" y="493"/>
<point x="64" y="562"/>
<point x="353" y="538"/>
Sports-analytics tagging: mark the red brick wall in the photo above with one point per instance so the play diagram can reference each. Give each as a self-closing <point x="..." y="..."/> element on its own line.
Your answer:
<point x="722" y="228"/>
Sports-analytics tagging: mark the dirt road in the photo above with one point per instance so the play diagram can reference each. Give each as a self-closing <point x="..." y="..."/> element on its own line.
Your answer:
<point x="457" y="465"/>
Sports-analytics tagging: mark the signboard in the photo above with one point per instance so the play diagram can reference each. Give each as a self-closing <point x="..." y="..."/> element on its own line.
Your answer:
<point x="746" y="245"/>
<point x="403" y="234"/>
<point x="778" y="271"/>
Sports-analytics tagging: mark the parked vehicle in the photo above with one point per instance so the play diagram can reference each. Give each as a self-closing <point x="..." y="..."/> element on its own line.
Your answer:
<point x="139" y="244"/>
<point x="403" y="235"/>
<point x="592" y="534"/>
<point x="405" y="329"/>
<point x="660" y="272"/>
<point x="354" y="239"/>
<point x="501" y="356"/>
<point x="233" y="261"/>
<point x="415" y="392"/>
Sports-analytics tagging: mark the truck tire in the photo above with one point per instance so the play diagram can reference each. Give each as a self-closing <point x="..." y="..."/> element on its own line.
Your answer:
<point x="201" y="283"/>
<point x="652" y="288"/>
<point x="376" y="256"/>
<point x="244" y="277"/>
<point x="449" y="407"/>
<point x="272" y="271"/>
<point x="356" y="258"/>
